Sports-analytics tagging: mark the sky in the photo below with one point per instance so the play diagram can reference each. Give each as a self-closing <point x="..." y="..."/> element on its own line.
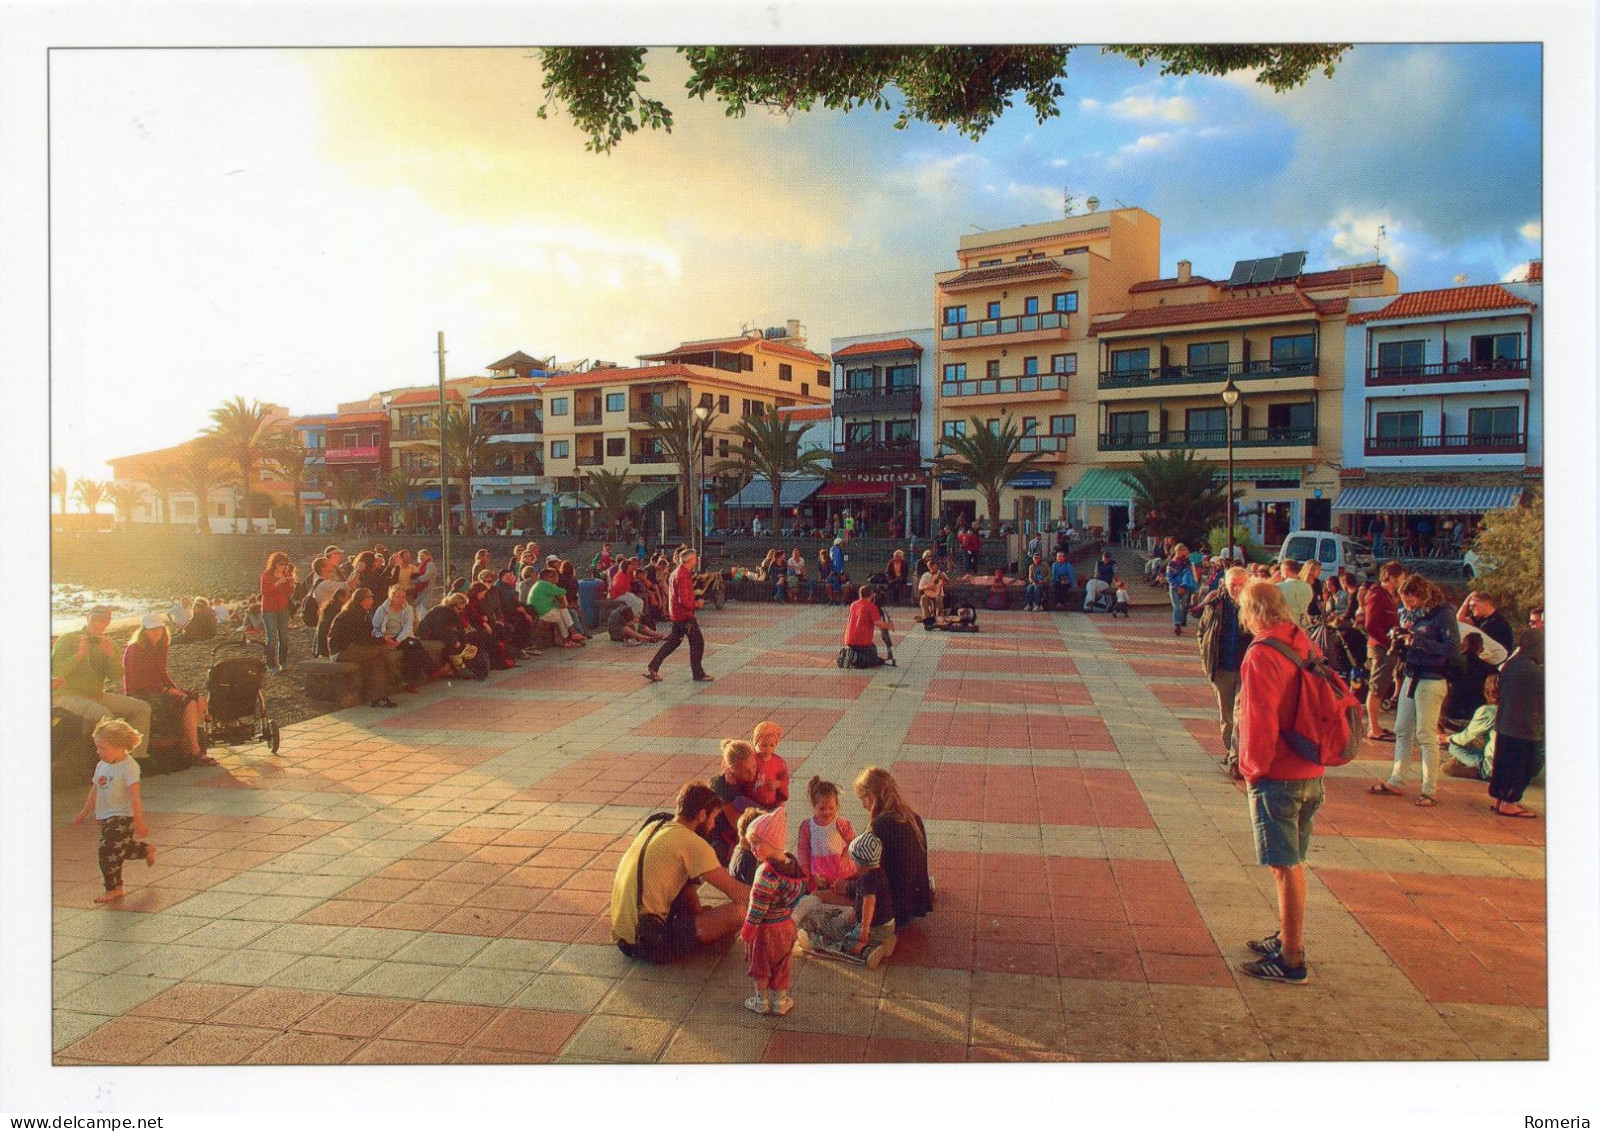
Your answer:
<point x="296" y="226"/>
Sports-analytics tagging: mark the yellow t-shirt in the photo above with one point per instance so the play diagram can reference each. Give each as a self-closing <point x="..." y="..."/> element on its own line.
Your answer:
<point x="676" y="856"/>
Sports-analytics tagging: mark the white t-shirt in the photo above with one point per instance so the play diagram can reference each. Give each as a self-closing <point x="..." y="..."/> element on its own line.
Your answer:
<point x="113" y="788"/>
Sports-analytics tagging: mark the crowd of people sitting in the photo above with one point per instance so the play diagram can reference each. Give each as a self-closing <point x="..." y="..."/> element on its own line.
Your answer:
<point x="837" y="892"/>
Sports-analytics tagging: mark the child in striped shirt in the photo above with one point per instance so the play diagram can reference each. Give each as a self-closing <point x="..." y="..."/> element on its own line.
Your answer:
<point x="769" y="930"/>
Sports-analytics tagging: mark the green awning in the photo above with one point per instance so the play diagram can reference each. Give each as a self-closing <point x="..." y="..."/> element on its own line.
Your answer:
<point x="1246" y="474"/>
<point x="1099" y="487"/>
<point x="643" y="494"/>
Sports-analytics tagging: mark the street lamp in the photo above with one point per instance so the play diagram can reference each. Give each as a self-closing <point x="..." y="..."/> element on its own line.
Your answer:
<point x="702" y="414"/>
<point x="1230" y="397"/>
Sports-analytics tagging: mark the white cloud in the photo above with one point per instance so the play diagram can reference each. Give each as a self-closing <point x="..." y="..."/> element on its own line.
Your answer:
<point x="1532" y="230"/>
<point x="1045" y="199"/>
<point x="1364" y="238"/>
<point x="1518" y="274"/>
<point x="1140" y="108"/>
<point x="1090" y="104"/>
<point x="936" y="178"/>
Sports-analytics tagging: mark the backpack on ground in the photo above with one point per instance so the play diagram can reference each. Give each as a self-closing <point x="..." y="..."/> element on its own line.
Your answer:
<point x="1327" y="716"/>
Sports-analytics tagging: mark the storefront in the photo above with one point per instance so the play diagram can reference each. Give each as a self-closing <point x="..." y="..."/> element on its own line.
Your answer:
<point x="880" y="501"/>
<point x="754" y="500"/>
<point x="1419" y="519"/>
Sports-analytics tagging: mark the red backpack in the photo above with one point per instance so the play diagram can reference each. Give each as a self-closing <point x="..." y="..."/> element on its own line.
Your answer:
<point x="1327" y="716"/>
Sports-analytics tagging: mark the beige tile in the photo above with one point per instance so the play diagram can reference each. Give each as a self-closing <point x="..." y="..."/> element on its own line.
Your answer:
<point x="619" y="1040"/>
<point x="1015" y="991"/>
<point x="928" y="983"/>
<point x="564" y="992"/>
<point x="1017" y="1028"/>
<point x="667" y="1001"/>
<point x="701" y="1042"/>
<point x="911" y="1020"/>
<point x="481" y="986"/>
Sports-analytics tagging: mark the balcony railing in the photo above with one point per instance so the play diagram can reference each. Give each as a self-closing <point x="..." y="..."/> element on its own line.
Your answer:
<point x="900" y="398"/>
<point x="510" y="427"/>
<point x="880" y="454"/>
<point x="998" y="327"/>
<point x="345" y="456"/>
<point x="1483" y="443"/>
<point x="415" y="432"/>
<point x="1217" y="374"/>
<point x="649" y="458"/>
<point x="989" y="386"/>
<point x="1208" y="438"/>
<point x="586" y="419"/>
<point x="1499" y="369"/>
<point x="1045" y="443"/>
<point x="517" y="467"/>
<point x="591" y="461"/>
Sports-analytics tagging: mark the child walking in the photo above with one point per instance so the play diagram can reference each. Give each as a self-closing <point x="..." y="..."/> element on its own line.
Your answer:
<point x="769" y="930"/>
<point x="771" y="787"/>
<point x="1119" y="600"/>
<point x="114" y="800"/>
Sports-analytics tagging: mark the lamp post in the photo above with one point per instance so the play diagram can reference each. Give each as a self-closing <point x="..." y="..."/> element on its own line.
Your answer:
<point x="702" y="414"/>
<point x="1230" y="397"/>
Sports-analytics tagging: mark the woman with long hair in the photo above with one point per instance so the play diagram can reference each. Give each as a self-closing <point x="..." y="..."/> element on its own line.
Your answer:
<point x="905" y="844"/>
<point x="481" y="631"/>
<point x="174" y="712"/>
<point x="1428" y="633"/>
<point x="277" y="591"/>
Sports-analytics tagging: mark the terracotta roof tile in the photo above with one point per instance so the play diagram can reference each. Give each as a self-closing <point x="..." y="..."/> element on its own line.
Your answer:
<point x="423" y="396"/>
<point x="736" y="345"/>
<point x="1003" y="272"/>
<point x="1341" y="276"/>
<point x="806" y="412"/>
<point x="1229" y="310"/>
<point x="1169" y="284"/>
<point x="891" y="345"/>
<point x="1450" y="300"/>
<point x="361" y="418"/>
<point x="513" y="360"/>
<point x="518" y="389"/>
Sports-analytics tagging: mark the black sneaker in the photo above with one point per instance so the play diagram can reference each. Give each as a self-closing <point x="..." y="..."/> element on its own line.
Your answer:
<point x="1269" y="947"/>
<point x="1274" y="970"/>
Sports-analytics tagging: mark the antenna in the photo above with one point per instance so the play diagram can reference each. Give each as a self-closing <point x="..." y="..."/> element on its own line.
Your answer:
<point x="1068" y="202"/>
<point x="1383" y="234"/>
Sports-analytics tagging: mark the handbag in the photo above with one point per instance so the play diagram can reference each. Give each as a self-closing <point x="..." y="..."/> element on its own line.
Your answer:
<point x="650" y="930"/>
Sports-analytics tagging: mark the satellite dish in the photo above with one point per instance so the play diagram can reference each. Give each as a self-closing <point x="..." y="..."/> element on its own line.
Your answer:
<point x="1092" y="204"/>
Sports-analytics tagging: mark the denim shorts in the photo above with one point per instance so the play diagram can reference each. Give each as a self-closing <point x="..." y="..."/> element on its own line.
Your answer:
<point x="1282" y="813"/>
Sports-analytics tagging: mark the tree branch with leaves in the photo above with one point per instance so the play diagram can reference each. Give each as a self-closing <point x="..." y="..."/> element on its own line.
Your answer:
<point x="990" y="458"/>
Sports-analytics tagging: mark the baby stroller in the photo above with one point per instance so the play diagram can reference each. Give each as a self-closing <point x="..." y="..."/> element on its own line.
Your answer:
<point x="238" y="712"/>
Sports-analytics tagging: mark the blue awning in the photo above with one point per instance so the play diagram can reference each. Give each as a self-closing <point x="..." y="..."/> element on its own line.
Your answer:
<point x="1426" y="500"/>
<point x="429" y="494"/>
<point x="1033" y="480"/>
<point x="757" y="494"/>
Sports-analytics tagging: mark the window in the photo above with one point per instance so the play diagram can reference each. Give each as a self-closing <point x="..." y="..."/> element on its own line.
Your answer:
<point x="858" y="380"/>
<point x="805" y="388"/>
<point x="1064" y="363"/>
<point x="1401" y="359"/>
<point x="1129" y="426"/>
<point x="955" y="427"/>
<point x="616" y="402"/>
<point x="558" y="406"/>
<point x="722" y="404"/>
<point x="994" y="310"/>
<point x="1066" y="302"/>
<point x="1298" y="417"/>
<point x="954" y="314"/>
<point x="722" y="448"/>
<point x="822" y="378"/>
<point x="1030" y="305"/>
<point x="785" y="372"/>
<point x="991" y="369"/>
<point x="858" y="433"/>
<point x="1494" y="425"/>
<point x="706" y="448"/>
<point x="899" y="431"/>
<point x="990" y="262"/>
<point x="1030" y="367"/>
<point x="1063" y="426"/>
<point x="1130" y="363"/>
<point x="706" y="400"/>
<point x="617" y="446"/>
<point x="1398" y="429"/>
<point x="955" y="372"/>
<point x="1488" y="348"/>
<point x="994" y="425"/>
<point x="1296" y="351"/>
<point x="1208" y="359"/>
<point x="560" y="449"/>
<point x="1206" y="425"/>
<point x="901" y="376"/>
<point x="1030" y="425"/>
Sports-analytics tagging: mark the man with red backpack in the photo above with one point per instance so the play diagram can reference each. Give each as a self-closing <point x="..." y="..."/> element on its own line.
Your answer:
<point x="1284" y="787"/>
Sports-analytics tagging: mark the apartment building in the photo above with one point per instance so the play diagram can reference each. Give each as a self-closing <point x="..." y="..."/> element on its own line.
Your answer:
<point x="1271" y="332"/>
<point x="1444" y="404"/>
<point x="316" y="510"/>
<point x="1013" y="322"/>
<point x="885" y="426"/>
<point x="511" y="417"/>
<point x="357" y="457"/>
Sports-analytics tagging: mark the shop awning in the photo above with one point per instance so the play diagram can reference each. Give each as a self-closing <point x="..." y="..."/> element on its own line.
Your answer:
<point x="643" y="494"/>
<point x="853" y="489"/>
<point x="757" y="494"/>
<point x="1243" y="474"/>
<point x="499" y="504"/>
<point x="1426" y="500"/>
<point x="1100" y="487"/>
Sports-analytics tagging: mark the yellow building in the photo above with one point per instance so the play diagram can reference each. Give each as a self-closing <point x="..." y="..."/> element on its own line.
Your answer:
<point x="1160" y="366"/>
<point x="1014" y="340"/>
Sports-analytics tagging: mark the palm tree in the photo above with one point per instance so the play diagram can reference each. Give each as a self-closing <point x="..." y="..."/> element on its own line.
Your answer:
<point x="771" y="451"/>
<point x="466" y="447"/>
<point x="1182" y="488"/>
<point x="166" y="480"/>
<point x="123" y="497"/>
<point x="242" y="432"/>
<point x="199" y="472"/>
<point x="58" y="486"/>
<point x="611" y="493"/>
<point x="403" y="491"/>
<point x="285" y="455"/>
<point x="988" y="458"/>
<point x="89" y="493"/>
<point x="348" y="494"/>
<point x="680" y="432"/>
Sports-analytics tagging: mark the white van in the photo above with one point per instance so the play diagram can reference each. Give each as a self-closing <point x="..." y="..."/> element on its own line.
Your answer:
<point x="1332" y="550"/>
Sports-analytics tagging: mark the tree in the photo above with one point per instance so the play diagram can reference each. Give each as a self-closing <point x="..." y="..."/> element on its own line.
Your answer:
<point x="527" y="517"/>
<point x="1183" y="490"/>
<point x="1513" y="540"/>
<point x="611" y="493"/>
<point x="466" y="446"/>
<point x="165" y="480"/>
<point x="963" y="87"/>
<point x="285" y="455"/>
<point x="58" y="486"/>
<point x="123" y="497"/>
<point x="681" y="434"/>
<point x="771" y="451"/>
<point x="991" y="460"/>
<point x="243" y="431"/>
<point x="200" y="472"/>
<point x="403" y="492"/>
<point x="348" y="494"/>
<point x="88" y="493"/>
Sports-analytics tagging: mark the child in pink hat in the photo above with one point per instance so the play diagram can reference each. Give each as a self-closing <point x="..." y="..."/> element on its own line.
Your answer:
<point x="769" y="930"/>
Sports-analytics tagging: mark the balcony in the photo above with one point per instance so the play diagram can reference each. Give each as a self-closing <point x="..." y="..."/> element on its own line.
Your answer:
<point x="589" y="419"/>
<point x="1207" y="438"/>
<point x="416" y="432"/>
<point x="900" y="398"/>
<point x="877" y="455"/>
<point x="513" y="467"/>
<point x="530" y="426"/>
<point x="650" y="459"/>
<point x="1483" y="443"/>
<point x="984" y="330"/>
<point x="1163" y="375"/>
<point x="593" y="459"/>
<point x="345" y="457"/>
<point x="1005" y="386"/>
<point x="1046" y="443"/>
<point x="1499" y="369"/>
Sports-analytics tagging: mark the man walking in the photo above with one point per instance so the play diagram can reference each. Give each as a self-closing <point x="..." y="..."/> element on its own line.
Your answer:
<point x="681" y="606"/>
<point x="1222" y="648"/>
<point x="1381" y="615"/>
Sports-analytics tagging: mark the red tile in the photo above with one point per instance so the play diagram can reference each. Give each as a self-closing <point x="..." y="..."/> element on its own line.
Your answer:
<point x="528" y="1030"/>
<point x="789" y="1046"/>
<point x="1014" y="957"/>
<point x="889" y="1050"/>
<point x="1082" y="962"/>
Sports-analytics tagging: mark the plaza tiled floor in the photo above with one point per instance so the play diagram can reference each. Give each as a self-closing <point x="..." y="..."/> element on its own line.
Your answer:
<point x="429" y="885"/>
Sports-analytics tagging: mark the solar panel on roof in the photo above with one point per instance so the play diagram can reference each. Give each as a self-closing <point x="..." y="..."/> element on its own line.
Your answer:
<point x="1266" y="270"/>
<point x="1241" y="272"/>
<point x="1290" y="265"/>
